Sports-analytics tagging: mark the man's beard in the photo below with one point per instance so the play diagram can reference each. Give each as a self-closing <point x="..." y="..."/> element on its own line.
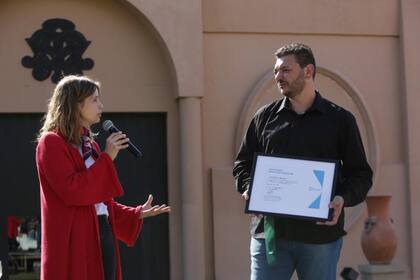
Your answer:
<point x="295" y="87"/>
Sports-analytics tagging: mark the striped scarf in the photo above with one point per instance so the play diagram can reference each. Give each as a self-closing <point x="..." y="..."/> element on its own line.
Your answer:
<point x="87" y="149"/>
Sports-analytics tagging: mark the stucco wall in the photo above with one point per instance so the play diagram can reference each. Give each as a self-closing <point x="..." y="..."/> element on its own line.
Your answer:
<point x="206" y="58"/>
<point x="131" y="62"/>
<point x="357" y="41"/>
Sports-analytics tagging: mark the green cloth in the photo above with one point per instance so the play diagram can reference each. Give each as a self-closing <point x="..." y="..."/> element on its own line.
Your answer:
<point x="270" y="240"/>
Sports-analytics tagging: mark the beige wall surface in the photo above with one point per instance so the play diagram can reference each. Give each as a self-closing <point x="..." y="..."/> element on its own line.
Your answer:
<point x="359" y="43"/>
<point x="180" y="25"/>
<point x="410" y="22"/>
<point x="235" y="63"/>
<point x="128" y="60"/>
<point x="130" y="63"/>
<point x="377" y="17"/>
<point x="164" y="56"/>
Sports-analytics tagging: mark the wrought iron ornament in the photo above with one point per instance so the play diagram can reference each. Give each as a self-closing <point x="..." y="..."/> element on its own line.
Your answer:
<point x="58" y="48"/>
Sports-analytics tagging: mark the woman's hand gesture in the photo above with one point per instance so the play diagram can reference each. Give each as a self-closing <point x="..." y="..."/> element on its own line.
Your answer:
<point x="149" y="211"/>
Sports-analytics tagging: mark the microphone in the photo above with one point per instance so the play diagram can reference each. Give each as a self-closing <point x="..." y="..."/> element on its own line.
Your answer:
<point x="111" y="128"/>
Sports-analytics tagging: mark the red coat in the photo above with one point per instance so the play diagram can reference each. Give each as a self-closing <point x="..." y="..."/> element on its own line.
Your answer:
<point x="12" y="226"/>
<point x="70" y="243"/>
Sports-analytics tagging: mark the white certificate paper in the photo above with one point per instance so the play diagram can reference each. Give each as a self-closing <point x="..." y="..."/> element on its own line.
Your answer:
<point x="292" y="187"/>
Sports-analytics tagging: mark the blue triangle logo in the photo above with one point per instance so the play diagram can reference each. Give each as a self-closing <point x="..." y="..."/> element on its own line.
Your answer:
<point x="316" y="203"/>
<point x="319" y="174"/>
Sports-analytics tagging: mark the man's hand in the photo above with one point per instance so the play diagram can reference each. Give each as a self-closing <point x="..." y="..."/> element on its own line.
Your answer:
<point x="148" y="210"/>
<point x="245" y="195"/>
<point x="337" y="204"/>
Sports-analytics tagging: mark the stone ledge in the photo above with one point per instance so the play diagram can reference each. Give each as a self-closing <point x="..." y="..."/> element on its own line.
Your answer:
<point x="381" y="271"/>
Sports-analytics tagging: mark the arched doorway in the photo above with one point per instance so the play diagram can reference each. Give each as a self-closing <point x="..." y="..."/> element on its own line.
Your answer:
<point x="138" y="91"/>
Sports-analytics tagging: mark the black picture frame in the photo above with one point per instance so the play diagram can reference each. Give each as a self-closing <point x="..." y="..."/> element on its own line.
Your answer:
<point x="251" y="187"/>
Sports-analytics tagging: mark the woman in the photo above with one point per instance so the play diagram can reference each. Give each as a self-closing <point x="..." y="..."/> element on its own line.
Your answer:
<point x="81" y="222"/>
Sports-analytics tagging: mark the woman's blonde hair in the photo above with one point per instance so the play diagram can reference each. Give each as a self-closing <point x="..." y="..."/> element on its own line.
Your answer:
<point x="63" y="113"/>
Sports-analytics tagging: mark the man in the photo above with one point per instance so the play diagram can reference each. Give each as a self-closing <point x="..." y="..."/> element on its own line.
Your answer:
<point x="303" y="124"/>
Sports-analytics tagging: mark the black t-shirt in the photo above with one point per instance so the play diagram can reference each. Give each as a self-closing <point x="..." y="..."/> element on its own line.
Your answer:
<point x="324" y="131"/>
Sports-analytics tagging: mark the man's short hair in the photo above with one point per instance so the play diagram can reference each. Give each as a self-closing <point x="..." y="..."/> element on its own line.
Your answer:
<point x="303" y="54"/>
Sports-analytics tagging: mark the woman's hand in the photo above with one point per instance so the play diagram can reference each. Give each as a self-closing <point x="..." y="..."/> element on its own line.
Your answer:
<point x="149" y="211"/>
<point x="115" y="142"/>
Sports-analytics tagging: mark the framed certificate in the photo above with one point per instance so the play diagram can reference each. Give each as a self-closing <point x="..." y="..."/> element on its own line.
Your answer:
<point x="292" y="186"/>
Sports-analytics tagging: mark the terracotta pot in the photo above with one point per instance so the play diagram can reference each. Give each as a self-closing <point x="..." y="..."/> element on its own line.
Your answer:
<point x="379" y="239"/>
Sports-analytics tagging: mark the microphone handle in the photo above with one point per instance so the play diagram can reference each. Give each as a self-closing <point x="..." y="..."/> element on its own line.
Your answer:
<point x="134" y="150"/>
<point x="131" y="147"/>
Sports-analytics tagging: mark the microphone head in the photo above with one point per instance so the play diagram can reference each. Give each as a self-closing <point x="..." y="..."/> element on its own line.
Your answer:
<point x="106" y="125"/>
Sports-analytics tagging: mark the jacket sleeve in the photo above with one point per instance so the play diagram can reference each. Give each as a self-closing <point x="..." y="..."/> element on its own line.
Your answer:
<point x="75" y="187"/>
<point x="356" y="173"/>
<point x="243" y="163"/>
<point x="127" y="222"/>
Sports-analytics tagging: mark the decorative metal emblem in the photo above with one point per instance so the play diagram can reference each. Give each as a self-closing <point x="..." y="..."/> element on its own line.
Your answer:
<point x="57" y="48"/>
